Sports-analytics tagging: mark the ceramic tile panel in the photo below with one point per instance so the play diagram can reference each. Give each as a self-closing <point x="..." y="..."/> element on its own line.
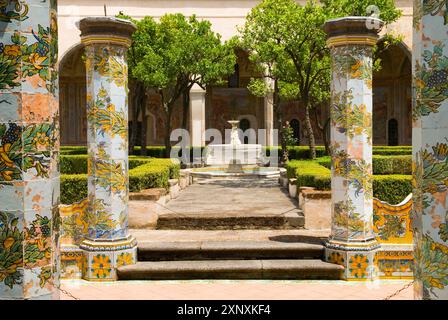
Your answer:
<point x="29" y="135"/>
<point x="430" y="149"/>
<point x="105" y="230"/>
<point x="352" y="236"/>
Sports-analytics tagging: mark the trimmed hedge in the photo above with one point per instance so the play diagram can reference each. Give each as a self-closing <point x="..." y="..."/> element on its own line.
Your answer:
<point x="144" y="173"/>
<point x="392" y="150"/>
<point x="392" y="164"/>
<point x="73" y="164"/>
<point x="382" y="164"/>
<point x="390" y="188"/>
<point x="73" y="188"/>
<point x="295" y="152"/>
<point x="73" y="150"/>
<point x="148" y="176"/>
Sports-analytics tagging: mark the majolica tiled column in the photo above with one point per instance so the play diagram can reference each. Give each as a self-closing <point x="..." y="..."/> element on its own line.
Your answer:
<point x="352" y="242"/>
<point x="109" y="244"/>
<point x="29" y="150"/>
<point x="430" y="149"/>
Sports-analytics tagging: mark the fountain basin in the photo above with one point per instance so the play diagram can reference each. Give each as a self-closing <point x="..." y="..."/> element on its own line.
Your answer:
<point x="224" y="154"/>
<point x="247" y="171"/>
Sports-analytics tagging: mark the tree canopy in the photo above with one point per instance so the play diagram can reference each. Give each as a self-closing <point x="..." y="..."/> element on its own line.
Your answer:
<point x="288" y="43"/>
<point x="173" y="54"/>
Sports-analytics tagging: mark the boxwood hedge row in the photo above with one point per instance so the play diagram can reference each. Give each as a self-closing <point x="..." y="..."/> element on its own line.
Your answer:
<point x="390" y="188"/>
<point x="144" y="173"/>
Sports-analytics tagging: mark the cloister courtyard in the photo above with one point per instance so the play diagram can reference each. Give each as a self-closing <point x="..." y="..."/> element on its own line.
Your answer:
<point x="223" y="150"/>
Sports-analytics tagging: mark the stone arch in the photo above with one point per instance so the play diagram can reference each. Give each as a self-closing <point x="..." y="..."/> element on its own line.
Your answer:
<point x="392" y="94"/>
<point x="72" y="97"/>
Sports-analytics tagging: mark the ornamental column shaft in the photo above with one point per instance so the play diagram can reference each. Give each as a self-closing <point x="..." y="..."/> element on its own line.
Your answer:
<point x="352" y="242"/>
<point x="108" y="245"/>
<point x="430" y="150"/>
<point x="29" y="150"/>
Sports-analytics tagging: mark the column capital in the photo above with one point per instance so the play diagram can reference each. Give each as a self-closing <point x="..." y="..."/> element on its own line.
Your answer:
<point x="353" y="30"/>
<point x="106" y="30"/>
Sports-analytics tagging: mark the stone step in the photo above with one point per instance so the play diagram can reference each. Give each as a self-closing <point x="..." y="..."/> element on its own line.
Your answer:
<point x="229" y="250"/>
<point x="230" y="221"/>
<point x="231" y="269"/>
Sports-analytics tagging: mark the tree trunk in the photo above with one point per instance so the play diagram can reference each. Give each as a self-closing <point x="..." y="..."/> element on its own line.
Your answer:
<point x="143" y="136"/>
<point x="135" y="103"/>
<point x="278" y="113"/>
<point x="323" y="129"/>
<point x="309" y="130"/>
<point x="325" y="137"/>
<point x="168" y="132"/>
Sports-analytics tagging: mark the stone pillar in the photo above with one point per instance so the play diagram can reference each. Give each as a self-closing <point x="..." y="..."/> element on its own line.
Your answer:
<point x="108" y="245"/>
<point x="430" y="151"/>
<point x="29" y="151"/>
<point x="352" y="242"/>
<point x="197" y="116"/>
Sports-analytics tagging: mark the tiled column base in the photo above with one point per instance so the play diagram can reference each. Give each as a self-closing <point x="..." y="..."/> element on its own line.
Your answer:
<point x="359" y="260"/>
<point x="102" y="258"/>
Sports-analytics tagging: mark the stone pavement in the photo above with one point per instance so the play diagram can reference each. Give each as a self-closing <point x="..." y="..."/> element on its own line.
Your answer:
<point x="239" y="197"/>
<point x="235" y="290"/>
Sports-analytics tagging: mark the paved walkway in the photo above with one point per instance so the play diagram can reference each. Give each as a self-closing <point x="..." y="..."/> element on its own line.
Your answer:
<point x="235" y="290"/>
<point x="232" y="197"/>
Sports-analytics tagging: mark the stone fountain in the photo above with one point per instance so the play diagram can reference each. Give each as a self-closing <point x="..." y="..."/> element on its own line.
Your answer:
<point x="234" y="155"/>
<point x="235" y="160"/>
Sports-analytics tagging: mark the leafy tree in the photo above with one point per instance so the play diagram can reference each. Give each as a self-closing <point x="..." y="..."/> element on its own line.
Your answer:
<point x="385" y="8"/>
<point x="142" y="37"/>
<point x="174" y="54"/>
<point x="288" y="42"/>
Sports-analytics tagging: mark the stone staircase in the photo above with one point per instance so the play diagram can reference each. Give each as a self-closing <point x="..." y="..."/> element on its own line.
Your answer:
<point x="183" y="260"/>
<point x="230" y="229"/>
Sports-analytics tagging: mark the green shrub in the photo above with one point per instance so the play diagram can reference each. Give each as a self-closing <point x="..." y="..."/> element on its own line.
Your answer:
<point x="159" y="151"/>
<point x="144" y="173"/>
<point x="303" y="152"/>
<point x="172" y="164"/>
<point x="151" y="151"/>
<point x="392" y="150"/>
<point x="325" y="162"/>
<point x="392" y="188"/>
<point x="73" y="188"/>
<point x="309" y="174"/>
<point x="389" y="188"/>
<point x="401" y="164"/>
<point x="73" y="164"/>
<point x="73" y="150"/>
<point x="148" y="176"/>
<point x="382" y="164"/>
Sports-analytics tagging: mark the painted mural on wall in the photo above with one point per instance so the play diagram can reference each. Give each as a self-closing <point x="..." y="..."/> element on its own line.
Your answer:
<point x="29" y="144"/>
<point x="430" y="148"/>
